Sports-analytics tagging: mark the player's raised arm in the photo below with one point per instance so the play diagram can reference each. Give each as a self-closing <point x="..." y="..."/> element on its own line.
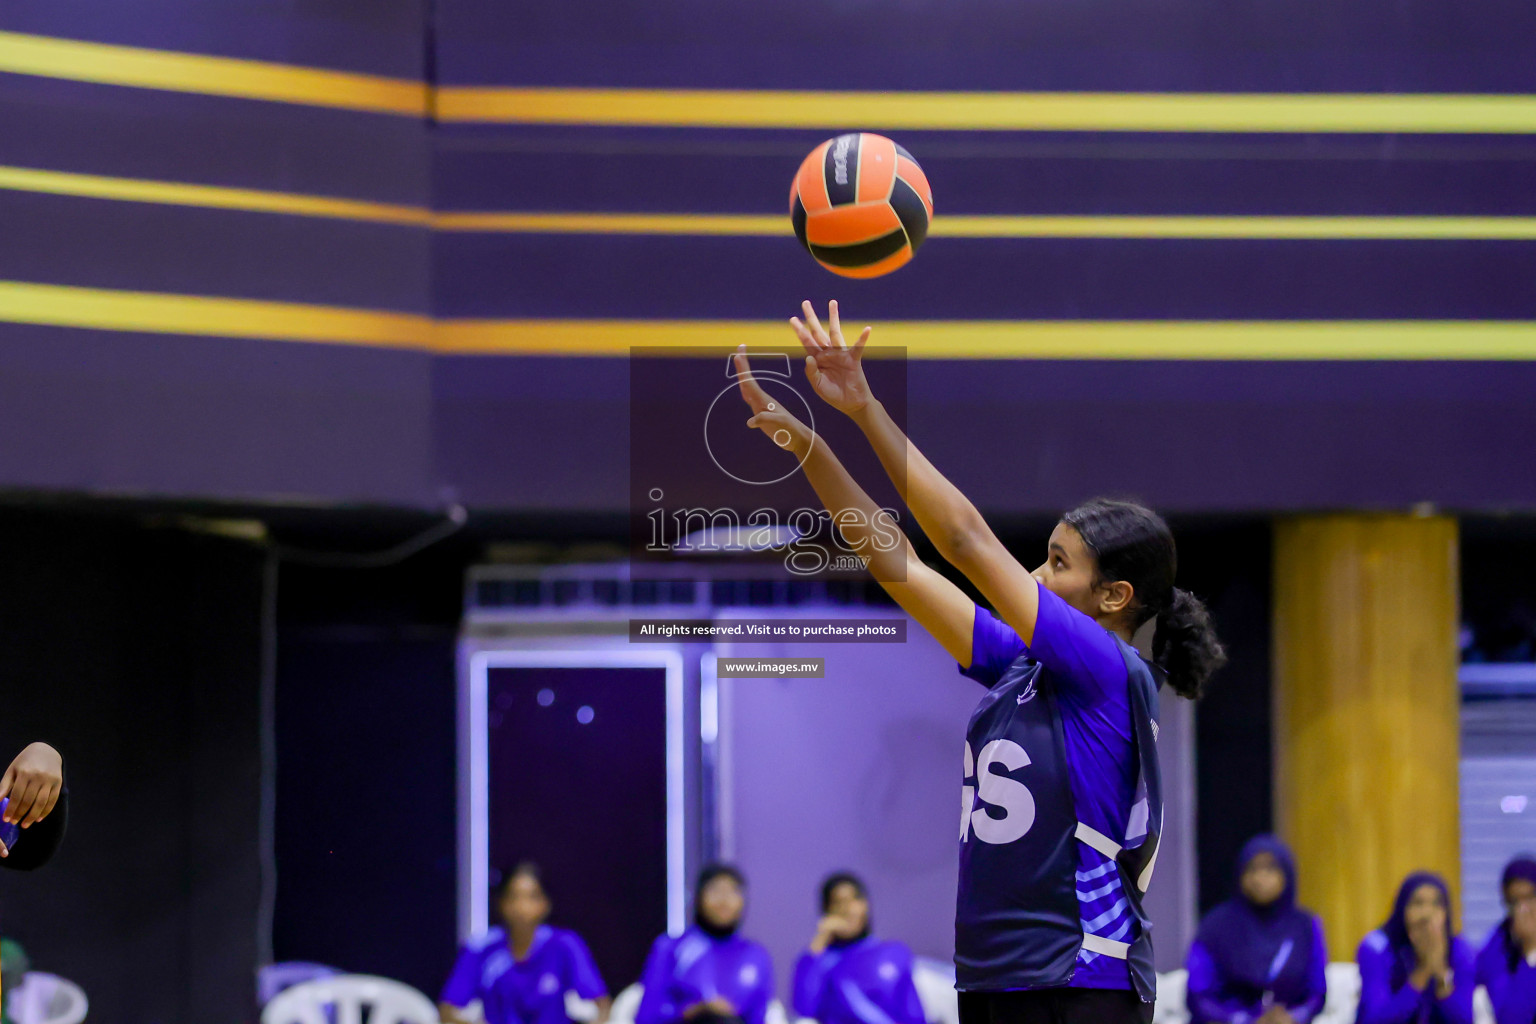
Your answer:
<point x="957" y="529"/>
<point x="938" y="605"/>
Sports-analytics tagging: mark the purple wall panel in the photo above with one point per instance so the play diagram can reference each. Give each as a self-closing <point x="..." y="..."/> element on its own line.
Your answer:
<point x="739" y="171"/>
<point x="96" y="243"/>
<point x="210" y="140"/>
<point x="533" y="434"/>
<point x="213" y="417"/>
<point x="669" y="277"/>
<point x="240" y="419"/>
<point x="381" y="37"/>
<point x="1372" y="46"/>
<point x="1036" y="437"/>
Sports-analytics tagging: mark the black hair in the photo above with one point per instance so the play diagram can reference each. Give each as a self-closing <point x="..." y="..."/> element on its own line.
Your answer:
<point x="523" y="868"/>
<point x="707" y="875"/>
<point x="1132" y="543"/>
<point x="830" y="884"/>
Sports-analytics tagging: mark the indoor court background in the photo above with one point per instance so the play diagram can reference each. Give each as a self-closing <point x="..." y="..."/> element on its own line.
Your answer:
<point x="281" y="283"/>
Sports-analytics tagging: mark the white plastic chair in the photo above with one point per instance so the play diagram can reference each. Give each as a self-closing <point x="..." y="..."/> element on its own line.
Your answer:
<point x="391" y="1002"/>
<point x="275" y="978"/>
<point x="44" y="998"/>
<point x="1343" y="993"/>
<point x="625" y="1004"/>
<point x="1482" y="1007"/>
<point x="579" y="1009"/>
<point x="935" y="984"/>
<point x="1172" y="998"/>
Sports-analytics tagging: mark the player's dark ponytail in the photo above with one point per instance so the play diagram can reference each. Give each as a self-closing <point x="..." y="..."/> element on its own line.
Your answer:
<point x="1185" y="644"/>
<point x="1132" y="543"/>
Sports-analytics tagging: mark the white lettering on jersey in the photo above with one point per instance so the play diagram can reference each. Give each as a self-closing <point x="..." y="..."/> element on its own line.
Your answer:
<point x="1009" y="795"/>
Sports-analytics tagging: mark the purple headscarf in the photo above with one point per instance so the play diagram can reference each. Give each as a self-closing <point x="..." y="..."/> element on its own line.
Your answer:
<point x="1396" y="929"/>
<point x="1521" y="866"/>
<point x="1260" y="949"/>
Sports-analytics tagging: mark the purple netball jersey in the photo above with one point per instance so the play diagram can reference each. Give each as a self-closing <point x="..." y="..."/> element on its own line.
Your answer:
<point x="528" y="991"/>
<point x="1062" y="743"/>
<point x="696" y="967"/>
<point x="863" y="982"/>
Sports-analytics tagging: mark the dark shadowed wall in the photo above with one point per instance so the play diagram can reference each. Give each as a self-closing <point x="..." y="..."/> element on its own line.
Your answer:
<point x="136" y="652"/>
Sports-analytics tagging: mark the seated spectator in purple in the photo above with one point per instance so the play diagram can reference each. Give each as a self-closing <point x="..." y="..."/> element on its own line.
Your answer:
<point x="709" y="974"/>
<point x="846" y="975"/>
<point x="1258" y="958"/>
<point x="1507" y="965"/>
<point x="520" y="973"/>
<point x="1414" y="969"/>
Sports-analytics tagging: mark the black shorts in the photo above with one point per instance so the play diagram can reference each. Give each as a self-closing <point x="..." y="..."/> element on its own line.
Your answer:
<point x="1055" y="1006"/>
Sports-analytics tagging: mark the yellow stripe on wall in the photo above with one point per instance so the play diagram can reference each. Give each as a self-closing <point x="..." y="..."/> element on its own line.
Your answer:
<point x="214" y="76"/>
<point x="978" y="111"/>
<point x="173" y="193"/>
<point x="159" y="313"/>
<point x="511" y="222"/>
<point x="1030" y="339"/>
<point x="1003" y="226"/>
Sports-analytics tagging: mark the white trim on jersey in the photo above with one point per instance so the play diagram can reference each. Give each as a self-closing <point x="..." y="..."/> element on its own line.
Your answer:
<point x="1098" y="840"/>
<point x="1108" y="947"/>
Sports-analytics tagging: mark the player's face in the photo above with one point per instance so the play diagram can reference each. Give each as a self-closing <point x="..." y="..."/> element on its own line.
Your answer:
<point x="1263" y="880"/>
<point x="1425" y="910"/>
<point x="848" y="904"/>
<point x="525" y="905"/>
<point x="722" y="901"/>
<point x="1518" y="891"/>
<point x="1070" y="570"/>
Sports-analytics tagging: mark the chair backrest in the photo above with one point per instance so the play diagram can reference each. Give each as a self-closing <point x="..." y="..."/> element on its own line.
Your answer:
<point x="625" y="1004"/>
<point x="391" y="1002"/>
<point x="579" y="1009"/>
<point x="1482" y="1007"/>
<point x="1343" y="978"/>
<point x="44" y="998"/>
<point x="1172" y="998"/>
<point x="935" y="984"/>
<point x="279" y="977"/>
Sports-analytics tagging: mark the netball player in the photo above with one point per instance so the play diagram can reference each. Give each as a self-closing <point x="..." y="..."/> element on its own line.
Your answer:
<point x="846" y="975"/>
<point x="1061" y="800"/>
<point x="521" y="973"/>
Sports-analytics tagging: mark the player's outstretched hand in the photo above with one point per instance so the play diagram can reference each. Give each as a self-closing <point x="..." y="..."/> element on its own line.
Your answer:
<point x="32" y="782"/>
<point x="835" y="371"/>
<point x="783" y="428"/>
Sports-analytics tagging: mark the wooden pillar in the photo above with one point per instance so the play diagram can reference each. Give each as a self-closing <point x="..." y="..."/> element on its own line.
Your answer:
<point x="1366" y="710"/>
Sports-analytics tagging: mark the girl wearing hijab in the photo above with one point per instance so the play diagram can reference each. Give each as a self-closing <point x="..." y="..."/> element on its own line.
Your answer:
<point x="1507" y="964"/>
<point x="1258" y="957"/>
<point x="521" y="973"/>
<point x="1413" y="969"/>
<point x="709" y="974"/>
<point x="847" y="976"/>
